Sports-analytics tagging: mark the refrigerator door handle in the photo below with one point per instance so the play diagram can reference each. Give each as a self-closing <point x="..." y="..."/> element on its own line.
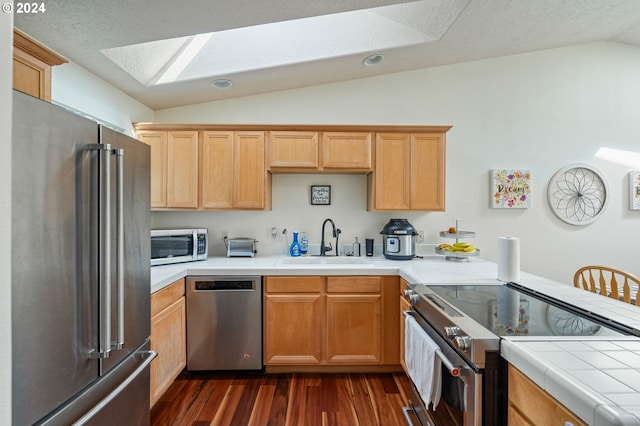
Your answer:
<point x="119" y="342"/>
<point x="149" y="356"/>
<point x="104" y="250"/>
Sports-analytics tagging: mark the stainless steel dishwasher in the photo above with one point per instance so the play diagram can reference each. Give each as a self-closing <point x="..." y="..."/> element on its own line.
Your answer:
<point x="224" y="323"/>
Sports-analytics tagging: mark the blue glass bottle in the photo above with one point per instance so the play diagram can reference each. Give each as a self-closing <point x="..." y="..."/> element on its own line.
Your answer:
<point x="294" y="249"/>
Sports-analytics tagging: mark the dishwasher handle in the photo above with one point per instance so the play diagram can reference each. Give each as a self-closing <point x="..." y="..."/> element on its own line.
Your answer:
<point x="226" y="284"/>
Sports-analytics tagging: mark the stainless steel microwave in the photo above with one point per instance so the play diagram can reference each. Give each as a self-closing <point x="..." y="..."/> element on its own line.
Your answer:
<point x="178" y="245"/>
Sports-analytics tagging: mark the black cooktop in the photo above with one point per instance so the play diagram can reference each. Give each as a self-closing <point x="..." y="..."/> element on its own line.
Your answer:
<point x="512" y="310"/>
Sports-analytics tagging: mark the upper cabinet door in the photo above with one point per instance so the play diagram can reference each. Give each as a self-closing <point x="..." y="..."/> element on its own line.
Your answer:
<point x="409" y="172"/>
<point x="32" y="63"/>
<point x="217" y="170"/>
<point x="292" y="149"/>
<point x="249" y="170"/>
<point x="158" y="142"/>
<point x="182" y="169"/>
<point x="346" y="150"/>
<point x="427" y="171"/>
<point x="392" y="172"/>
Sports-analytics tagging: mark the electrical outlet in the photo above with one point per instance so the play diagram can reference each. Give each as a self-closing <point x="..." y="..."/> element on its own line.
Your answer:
<point x="276" y="235"/>
<point x="225" y="233"/>
<point x="420" y="236"/>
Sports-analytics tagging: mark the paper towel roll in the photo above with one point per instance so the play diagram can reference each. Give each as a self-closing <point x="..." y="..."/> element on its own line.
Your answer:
<point x="508" y="259"/>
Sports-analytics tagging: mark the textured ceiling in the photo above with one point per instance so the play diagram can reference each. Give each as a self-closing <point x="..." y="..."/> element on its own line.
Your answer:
<point x="130" y="44"/>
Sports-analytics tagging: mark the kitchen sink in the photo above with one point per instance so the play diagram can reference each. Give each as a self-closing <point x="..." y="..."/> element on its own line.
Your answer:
<point x="324" y="260"/>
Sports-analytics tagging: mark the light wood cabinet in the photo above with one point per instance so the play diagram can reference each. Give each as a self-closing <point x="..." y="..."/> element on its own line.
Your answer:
<point x="354" y="320"/>
<point x="217" y="170"/>
<point x="182" y="169"/>
<point x="249" y="187"/>
<point x="32" y="63"/>
<point x="174" y="168"/>
<point x="530" y="405"/>
<point x="228" y="167"/>
<point x="233" y="171"/>
<point x="305" y="151"/>
<point x="409" y="172"/>
<point x="168" y="337"/>
<point x="291" y="149"/>
<point x="331" y="321"/>
<point x="158" y="142"/>
<point x="346" y="151"/>
<point x="293" y="312"/>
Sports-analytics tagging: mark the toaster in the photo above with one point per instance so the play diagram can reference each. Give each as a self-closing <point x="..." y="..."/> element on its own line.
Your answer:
<point x="241" y="247"/>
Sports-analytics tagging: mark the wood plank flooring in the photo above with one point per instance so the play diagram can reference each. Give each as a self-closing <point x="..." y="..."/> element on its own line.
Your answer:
<point x="298" y="399"/>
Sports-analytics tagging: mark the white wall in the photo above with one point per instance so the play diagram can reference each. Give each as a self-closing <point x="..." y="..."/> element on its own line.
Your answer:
<point x="6" y="35"/>
<point x="539" y="111"/>
<point x="74" y="87"/>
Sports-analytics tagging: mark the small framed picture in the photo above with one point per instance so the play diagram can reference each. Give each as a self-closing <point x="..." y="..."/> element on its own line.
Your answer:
<point x="510" y="188"/>
<point x="321" y="195"/>
<point x="634" y="190"/>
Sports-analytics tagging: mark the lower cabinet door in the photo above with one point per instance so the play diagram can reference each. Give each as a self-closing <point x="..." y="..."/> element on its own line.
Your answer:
<point x="292" y="330"/>
<point x="354" y="328"/>
<point x="168" y="339"/>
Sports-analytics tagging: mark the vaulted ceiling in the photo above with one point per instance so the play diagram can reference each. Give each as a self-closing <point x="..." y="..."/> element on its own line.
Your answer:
<point x="167" y="53"/>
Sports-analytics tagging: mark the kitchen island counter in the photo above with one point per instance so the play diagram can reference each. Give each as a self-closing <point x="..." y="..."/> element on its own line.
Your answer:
<point x="597" y="394"/>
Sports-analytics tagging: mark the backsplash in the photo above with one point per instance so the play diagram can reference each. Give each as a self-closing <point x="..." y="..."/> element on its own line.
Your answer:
<point x="292" y="210"/>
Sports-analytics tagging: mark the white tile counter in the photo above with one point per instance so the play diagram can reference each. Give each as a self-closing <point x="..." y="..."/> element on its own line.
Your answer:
<point x="596" y="378"/>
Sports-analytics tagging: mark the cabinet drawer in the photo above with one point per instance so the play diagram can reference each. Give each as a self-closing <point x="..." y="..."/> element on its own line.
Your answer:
<point x="165" y="297"/>
<point x="354" y="284"/>
<point x="293" y="284"/>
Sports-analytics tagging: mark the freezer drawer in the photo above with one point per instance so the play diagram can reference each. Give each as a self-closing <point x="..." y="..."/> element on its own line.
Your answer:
<point x="224" y="323"/>
<point x="127" y="385"/>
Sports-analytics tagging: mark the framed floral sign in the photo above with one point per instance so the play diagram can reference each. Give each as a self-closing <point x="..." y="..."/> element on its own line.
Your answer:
<point x="510" y="189"/>
<point x="634" y="190"/>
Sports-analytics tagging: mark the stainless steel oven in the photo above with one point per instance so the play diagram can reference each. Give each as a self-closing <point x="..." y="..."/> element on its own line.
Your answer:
<point x="468" y="394"/>
<point x="467" y="322"/>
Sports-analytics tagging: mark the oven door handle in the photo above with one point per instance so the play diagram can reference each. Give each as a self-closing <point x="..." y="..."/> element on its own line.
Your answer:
<point x="453" y="370"/>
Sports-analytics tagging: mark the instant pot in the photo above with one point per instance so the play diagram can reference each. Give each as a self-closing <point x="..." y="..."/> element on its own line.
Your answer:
<point x="398" y="240"/>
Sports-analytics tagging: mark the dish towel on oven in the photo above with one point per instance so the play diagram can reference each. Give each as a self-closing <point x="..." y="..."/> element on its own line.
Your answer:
<point x="423" y="365"/>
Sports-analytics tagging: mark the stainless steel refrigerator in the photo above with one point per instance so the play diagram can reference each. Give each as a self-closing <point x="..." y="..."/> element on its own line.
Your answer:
<point x="80" y="270"/>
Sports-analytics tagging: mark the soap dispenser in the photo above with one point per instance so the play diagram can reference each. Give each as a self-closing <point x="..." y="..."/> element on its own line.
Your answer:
<point x="294" y="249"/>
<point x="304" y="243"/>
<point x="356" y="247"/>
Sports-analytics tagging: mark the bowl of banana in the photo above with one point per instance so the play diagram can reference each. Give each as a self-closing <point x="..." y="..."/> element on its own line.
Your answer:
<point x="458" y="249"/>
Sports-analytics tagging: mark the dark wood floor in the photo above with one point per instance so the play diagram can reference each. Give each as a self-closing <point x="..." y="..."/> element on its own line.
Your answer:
<point x="309" y="399"/>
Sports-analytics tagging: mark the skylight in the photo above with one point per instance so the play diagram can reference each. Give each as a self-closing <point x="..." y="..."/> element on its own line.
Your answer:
<point x="272" y="45"/>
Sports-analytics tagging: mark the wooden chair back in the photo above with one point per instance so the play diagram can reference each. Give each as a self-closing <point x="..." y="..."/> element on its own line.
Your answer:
<point x="606" y="281"/>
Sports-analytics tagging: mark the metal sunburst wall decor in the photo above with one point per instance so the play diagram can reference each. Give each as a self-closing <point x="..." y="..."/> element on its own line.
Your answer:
<point x="578" y="194"/>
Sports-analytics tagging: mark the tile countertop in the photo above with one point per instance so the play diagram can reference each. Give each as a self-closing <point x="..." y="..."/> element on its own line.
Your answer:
<point x="596" y="378"/>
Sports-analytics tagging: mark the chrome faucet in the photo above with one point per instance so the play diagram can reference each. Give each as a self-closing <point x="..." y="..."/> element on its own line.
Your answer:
<point x="336" y="234"/>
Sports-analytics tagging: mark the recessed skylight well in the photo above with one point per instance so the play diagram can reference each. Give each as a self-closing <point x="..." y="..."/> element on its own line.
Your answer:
<point x="267" y="46"/>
